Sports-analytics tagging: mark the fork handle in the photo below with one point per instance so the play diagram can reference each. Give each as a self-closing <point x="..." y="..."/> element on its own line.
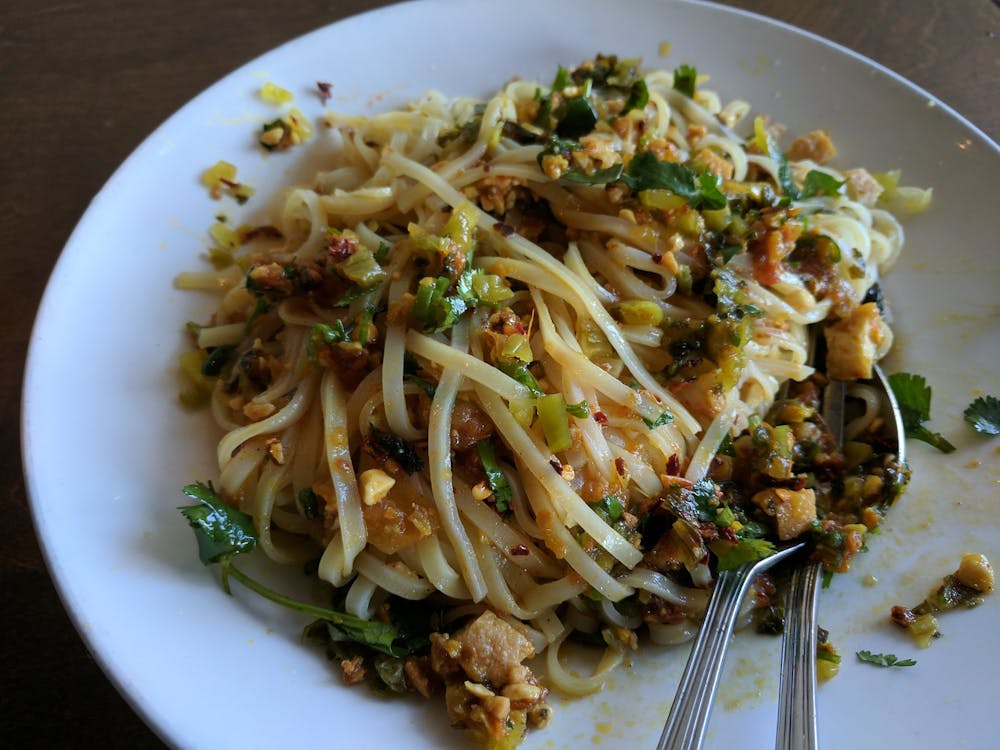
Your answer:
<point x="689" y="714"/>
<point x="797" y="686"/>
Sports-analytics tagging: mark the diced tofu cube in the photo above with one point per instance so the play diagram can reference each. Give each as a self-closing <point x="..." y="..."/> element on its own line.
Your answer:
<point x="815" y="145"/>
<point x="862" y="187"/>
<point x="855" y="343"/>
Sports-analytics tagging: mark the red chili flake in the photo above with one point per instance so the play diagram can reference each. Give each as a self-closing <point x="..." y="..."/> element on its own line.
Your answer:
<point x="519" y="550"/>
<point x="340" y="247"/>
<point x="657" y="257"/>
<point x="324" y="90"/>
<point x="620" y="466"/>
<point x="673" y="465"/>
<point x="556" y="466"/>
<point x="800" y="483"/>
<point x="505" y="229"/>
<point x="600" y="417"/>
<point x="727" y="533"/>
<point x="518" y="327"/>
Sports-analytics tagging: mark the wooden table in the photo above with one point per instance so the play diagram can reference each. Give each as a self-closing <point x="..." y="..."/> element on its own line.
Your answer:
<point x="80" y="87"/>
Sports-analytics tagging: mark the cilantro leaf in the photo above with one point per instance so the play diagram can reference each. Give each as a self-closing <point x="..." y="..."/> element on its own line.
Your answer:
<point x="664" y="418"/>
<point x="646" y="172"/>
<point x="685" y="78"/>
<point x="222" y="531"/>
<point x="914" y="398"/>
<point x="638" y="96"/>
<point x="731" y="556"/>
<point x="984" y="415"/>
<point x="578" y="119"/>
<point x="820" y="183"/>
<point x="884" y="660"/>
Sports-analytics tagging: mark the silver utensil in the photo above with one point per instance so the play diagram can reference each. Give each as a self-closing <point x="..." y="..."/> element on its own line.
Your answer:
<point x="689" y="714"/>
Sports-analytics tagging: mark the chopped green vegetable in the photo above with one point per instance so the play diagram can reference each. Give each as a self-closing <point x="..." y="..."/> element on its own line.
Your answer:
<point x="914" y="398"/>
<point x="984" y="415"/>
<point x="322" y="334"/>
<point x="685" y="78"/>
<point x="437" y="310"/>
<point x="580" y="410"/>
<point x="562" y="79"/>
<point x="519" y="372"/>
<point x="494" y="476"/>
<point x="884" y="660"/>
<point x="555" y="424"/>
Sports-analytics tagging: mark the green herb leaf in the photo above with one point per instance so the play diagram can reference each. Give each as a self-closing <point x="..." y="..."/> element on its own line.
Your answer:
<point x="580" y="410"/>
<point x="216" y="360"/>
<point x="399" y="450"/>
<point x="646" y="172"/>
<point x="685" y="78"/>
<point x="610" y="507"/>
<point x="638" y="97"/>
<point x="664" y="418"/>
<point x="788" y="186"/>
<point x="884" y="660"/>
<point x="222" y="531"/>
<point x="821" y="183"/>
<point x="322" y="334"/>
<point x="914" y="398"/>
<point x="984" y="415"/>
<point x="494" y="476"/>
<point x="731" y="556"/>
<point x="579" y="118"/>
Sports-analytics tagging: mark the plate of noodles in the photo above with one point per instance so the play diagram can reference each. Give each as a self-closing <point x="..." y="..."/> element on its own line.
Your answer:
<point x="471" y="369"/>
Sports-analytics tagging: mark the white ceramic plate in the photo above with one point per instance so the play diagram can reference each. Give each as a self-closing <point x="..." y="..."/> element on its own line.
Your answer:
<point x="106" y="449"/>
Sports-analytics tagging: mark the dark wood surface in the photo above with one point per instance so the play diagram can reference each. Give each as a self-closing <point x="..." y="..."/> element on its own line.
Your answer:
<point x="81" y="84"/>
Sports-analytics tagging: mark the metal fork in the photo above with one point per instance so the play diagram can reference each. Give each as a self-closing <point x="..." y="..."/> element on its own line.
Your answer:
<point x="689" y="714"/>
<point x="797" y="686"/>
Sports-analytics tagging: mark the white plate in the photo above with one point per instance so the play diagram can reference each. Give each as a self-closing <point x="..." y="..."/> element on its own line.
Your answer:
<point x="106" y="450"/>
